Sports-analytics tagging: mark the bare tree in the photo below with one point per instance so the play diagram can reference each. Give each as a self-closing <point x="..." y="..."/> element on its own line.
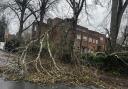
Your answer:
<point x="118" y="9"/>
<point x="22" y="6"/>
<point x="21" y="10"/>
<point x="44" y="6"/>
<point x="77" y="6"/>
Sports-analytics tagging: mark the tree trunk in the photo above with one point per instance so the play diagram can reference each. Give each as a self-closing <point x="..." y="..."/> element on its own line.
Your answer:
<point x="20" y="31"/>
<point x="21" y="24"/>
<point x="114" y="28"/>
<point x="117" y="12"/>
<point x="40" y="24"/>
<point x="19" y="36"/>
<point x="70" y="43"/>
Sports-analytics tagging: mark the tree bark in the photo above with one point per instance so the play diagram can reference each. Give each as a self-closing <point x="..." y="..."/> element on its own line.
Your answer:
<point x="113" y="28"/>
<point x="118" y="8"/>
<point x="23" y="8"/>
<point x="71" y="40"/>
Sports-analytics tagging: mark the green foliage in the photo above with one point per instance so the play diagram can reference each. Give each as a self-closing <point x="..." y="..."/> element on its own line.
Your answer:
<point x="100" y="54"/>
<point x="111" y="62"/>
<point x="12" y="45"/>
<point x="94" y="59"/>
<point x="117" y="62"/>
<point x="99" y="59"/>
<point x="87" y="56"/>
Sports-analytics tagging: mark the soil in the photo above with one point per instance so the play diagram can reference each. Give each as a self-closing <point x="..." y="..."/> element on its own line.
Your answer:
<point x="119" y="82"/>
<point x="109" y="81"/>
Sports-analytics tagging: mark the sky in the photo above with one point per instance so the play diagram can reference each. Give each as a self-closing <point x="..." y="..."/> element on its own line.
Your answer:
<point x="97" y="12"/>
<point x="63" y="10"/>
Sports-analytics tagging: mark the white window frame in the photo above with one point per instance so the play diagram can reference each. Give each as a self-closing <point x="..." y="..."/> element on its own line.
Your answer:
<point x="94" y="41"/>
<point x="85" y="38"/>
<point x="78" y="37"/>
<point x="90" y="39"/>
<point x="97" y="41"/>
<point x="101" y="38"/>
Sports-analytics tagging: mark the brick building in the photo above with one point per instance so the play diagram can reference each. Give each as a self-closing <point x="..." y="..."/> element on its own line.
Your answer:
<point x="88" y="40"/>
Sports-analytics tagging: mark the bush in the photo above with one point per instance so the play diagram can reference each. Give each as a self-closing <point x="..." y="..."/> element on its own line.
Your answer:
<point x="94" y="60"/>
<point x="87" y="56"/>
<point x="100" y="54"/>
<point x="12" y="45"/>
<point x="99" y="59"/>
<point x="34" y="49"/>
<point x="116" y="62"/>
<point x="111" y="62"/>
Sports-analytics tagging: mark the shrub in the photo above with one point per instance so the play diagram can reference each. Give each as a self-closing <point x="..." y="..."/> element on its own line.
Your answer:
<point x="34" y="49"/>
<point x="87" y="56"/>
<point x="99" y="59"/>
<point x="12" y="45"/>
<point x="100" y="54"/>
<point x="93" y="60"/>
<point x="111" y="62"/>
<point x="116" y="62"/>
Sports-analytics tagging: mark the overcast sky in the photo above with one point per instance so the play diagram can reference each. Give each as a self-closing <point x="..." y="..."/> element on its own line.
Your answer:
<point x="63" y="11"/>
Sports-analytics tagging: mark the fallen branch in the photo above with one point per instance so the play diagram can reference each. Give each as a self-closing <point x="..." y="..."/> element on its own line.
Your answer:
<point x="50" y="53"/>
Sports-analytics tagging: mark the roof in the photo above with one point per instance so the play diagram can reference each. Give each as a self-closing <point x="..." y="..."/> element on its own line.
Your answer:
<point x="84" y="29"/>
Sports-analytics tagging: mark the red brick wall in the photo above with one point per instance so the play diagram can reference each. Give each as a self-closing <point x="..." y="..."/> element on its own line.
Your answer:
<point x="57" y="32"/>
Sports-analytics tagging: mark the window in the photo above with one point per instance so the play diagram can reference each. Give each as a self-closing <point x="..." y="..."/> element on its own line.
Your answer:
<point x="35" y="28"/>
<point x="96" y="41"/>
<point x="93" y="40"/>
<point x="101" y="38"/>
<point x="79" y="37"/>
<point x="85" y="38"/>
<point x="90" y="39"/>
